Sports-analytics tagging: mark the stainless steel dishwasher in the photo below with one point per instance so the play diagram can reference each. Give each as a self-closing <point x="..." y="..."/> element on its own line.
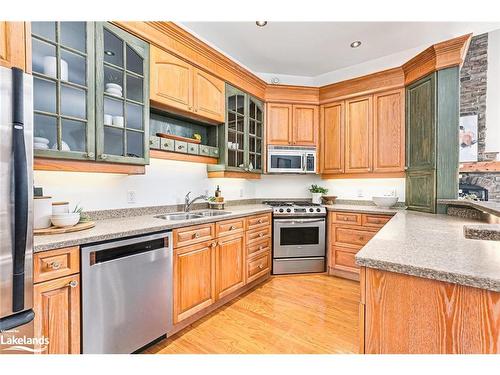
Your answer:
<point x="126" y="293"/>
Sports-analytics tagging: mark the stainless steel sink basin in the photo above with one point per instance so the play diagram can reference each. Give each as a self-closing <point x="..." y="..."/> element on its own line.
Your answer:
<point x="179" y="216"/>
<point x="206" y="213"/>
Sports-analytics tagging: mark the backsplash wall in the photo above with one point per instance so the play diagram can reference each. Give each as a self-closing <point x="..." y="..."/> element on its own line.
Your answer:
<point x="166" y="182"/>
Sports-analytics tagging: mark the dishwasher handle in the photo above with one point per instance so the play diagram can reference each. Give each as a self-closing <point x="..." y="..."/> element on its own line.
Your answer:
<point x="115" y="250"/>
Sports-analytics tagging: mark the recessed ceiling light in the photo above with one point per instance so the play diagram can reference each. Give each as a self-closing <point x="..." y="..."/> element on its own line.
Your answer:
<point x="275" y="80"/>
<point x="261" y="23"/>
<point x="355" y="44"/>
<point x="109" y="53"/>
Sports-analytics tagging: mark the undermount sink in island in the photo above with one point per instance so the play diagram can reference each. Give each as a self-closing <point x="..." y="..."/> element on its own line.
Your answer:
<point x="425" y="288"/>
<point x="192" y="215"/>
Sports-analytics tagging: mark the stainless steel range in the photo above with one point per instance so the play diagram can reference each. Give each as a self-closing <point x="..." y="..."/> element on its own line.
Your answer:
<point x="299" y="244"/>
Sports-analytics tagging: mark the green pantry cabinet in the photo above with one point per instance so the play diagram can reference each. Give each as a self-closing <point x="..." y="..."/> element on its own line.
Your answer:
<point x="241" y="139"/>
<point x="91" y="93"/>
<point x="432" y="149"/>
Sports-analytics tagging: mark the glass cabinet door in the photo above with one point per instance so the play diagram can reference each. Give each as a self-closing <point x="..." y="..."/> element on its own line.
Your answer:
<point x="235" y="141"/>
<point x="122" y="96"/>
<point x="255" y="136"/>
<point x="63" y="89"/>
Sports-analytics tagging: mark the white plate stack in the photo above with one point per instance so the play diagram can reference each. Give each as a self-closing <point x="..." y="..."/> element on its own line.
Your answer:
<point x="40" y="143"/>
<point x="114" y="89"/>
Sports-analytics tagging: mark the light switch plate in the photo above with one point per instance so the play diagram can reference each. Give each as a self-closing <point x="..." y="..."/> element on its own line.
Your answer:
<point x="131" y="196"/>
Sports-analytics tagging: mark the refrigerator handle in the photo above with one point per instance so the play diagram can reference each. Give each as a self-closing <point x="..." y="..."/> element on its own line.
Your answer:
<point x="21" y="187"/>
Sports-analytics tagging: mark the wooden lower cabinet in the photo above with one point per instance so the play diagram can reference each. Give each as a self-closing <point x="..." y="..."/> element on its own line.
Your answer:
<point x="403" y="314"/>
<point x="56" y="304"/>
<point x="230" y="264"/>
<point x="210" y="271"/>
<point x="348" y="232"/>
<point x="194" y="279"/>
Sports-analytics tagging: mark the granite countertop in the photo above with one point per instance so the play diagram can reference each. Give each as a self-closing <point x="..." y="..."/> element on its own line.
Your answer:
<point x="108" y="229"/>
<point x="364" y="209"/>
<point x="482" y="232"/>
<point x="488" y="207"/>
<point x="434" y="247"/>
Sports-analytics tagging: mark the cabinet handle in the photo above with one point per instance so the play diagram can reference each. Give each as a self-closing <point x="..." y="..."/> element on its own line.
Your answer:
<point x="190" y="107"/>
<point x="261" y="247"/>
<point x="345" y="219"/>
<point x="405" y="168"/>
<point x="103" y="156"/>
<point x="232" y="227"/>
<point x="259" y="221"/>
<point x="55" y="265"/>
<point x="196" y="235"/>
<point x="90" y="155"/>
<point x="261" y="266"/>
<point x="213" y="244"/>
<point x="73" y="284"/>
<point x="261" y="234"/>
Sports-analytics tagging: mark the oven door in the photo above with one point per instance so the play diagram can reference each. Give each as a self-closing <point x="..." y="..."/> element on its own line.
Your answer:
<point x="299" y="237"/>
<point x="285" y="162"/>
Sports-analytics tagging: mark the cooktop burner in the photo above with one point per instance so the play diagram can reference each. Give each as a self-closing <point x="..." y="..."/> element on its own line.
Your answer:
<point x="296" y="208"/>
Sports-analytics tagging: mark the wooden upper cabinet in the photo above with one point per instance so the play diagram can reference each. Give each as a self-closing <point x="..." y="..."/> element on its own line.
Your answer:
<point x="332" y="138"/>
<point x="14" y="45"/>
<point x="171" y="80"/>
<point x="292" y="124"/>
<point x="194" y="279"/>
<point x="305" y="125"/>
<point x="388" y="131"/>
<point x="208" y="95"/>
<point x="230" y="264"/>
<point x="279" y="123"/>
<point x="358" y="135"/>
<point x="177" y="84"/>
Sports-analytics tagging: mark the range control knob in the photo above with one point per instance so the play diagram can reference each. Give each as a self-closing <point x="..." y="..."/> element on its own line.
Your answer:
<point x="311" y="209"/>
<point x="288" y="210"/>
<point x="281" y="210"/>
<point x="318" y="209"/>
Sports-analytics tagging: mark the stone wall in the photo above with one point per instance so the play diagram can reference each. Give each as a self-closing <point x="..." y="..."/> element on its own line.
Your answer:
<point x="488" y="180"/>
<point x="473" y="86"/>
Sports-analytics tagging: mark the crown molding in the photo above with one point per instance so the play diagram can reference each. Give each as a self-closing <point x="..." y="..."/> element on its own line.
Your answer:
<point x="174" y="39"/>
<point x="438" y="56"/>
<point x="292" y="94"/>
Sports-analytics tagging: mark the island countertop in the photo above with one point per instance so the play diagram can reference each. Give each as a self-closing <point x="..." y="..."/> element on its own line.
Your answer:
<point x="434" y="247"/>
<point x="108" y="229"/>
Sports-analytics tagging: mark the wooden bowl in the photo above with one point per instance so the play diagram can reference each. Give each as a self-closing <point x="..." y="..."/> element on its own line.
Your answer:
<point x="329" y="199"/>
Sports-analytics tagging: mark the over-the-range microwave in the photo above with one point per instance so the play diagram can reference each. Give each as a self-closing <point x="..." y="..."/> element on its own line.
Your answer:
<point x="291" y="159"/>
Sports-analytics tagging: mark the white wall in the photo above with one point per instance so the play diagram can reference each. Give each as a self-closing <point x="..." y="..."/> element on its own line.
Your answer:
<point x="493" y="93"/>
<point x="166" y="182"/>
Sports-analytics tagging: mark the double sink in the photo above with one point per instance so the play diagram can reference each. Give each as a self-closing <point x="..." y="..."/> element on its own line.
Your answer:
<point x="192" y="215"/>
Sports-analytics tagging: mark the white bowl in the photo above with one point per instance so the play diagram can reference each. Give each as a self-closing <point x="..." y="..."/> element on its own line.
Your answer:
<point x="385" y="202"/>
<point x="113" y="86"/>
<point x="40" y="146"/>
<point x="64" y="147"/>
<point x="41" y="140"/>
<point x="65" y="220"/>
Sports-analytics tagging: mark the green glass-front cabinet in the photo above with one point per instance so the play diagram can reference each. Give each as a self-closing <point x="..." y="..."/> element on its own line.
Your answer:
<point x="242" y="137"/>
<point x="91" y="93"/>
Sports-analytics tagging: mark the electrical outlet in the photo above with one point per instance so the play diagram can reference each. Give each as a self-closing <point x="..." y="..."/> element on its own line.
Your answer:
<point x="360" y="193"/>
<point x="131" y="196"/>
<point x="241" y="193"/>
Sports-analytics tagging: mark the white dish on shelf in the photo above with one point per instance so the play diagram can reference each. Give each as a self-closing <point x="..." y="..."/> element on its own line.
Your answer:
<point x="65" y="220"/>
<point x="50" y="67"/>
<point x="64" y="147"/>
<point x="40" y="146"/>
<point x="113" y="86"/>
<point x="108" y="119"/>
<point x="41" y="140"/>
<point x="114" y="93"/>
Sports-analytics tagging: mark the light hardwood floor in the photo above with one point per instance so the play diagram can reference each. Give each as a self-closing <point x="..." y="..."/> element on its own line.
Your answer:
<point x="287" y="314"/>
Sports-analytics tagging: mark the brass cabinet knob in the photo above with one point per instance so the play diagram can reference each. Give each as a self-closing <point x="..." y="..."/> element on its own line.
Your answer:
<point x="196" y="235"/>
<point x="261" y="247"/>
<point x="261" y="266"/>
<point x="260" y="221"/>
<point x="73" y="284"/>
<point x="232" y="227"/>
<point x="213" y="244"/>
<point x="261" y="234"/>
<point x="55" y="265"/>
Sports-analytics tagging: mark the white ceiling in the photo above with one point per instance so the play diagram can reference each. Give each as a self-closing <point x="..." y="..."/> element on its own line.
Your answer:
<point x="310" y="49"/>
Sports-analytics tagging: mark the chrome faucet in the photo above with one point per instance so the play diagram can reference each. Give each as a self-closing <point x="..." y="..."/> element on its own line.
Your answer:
<point x="188" y="203"/>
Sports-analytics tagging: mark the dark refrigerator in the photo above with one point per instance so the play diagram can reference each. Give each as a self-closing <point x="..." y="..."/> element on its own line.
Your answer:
<point x="16" y="212"/>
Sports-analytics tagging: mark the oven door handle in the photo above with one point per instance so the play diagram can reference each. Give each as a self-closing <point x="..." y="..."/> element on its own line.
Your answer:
<point x="292" y="221"/>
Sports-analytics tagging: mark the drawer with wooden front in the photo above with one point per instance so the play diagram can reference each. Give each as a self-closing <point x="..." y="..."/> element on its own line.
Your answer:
<point x="227" y="227"/>
<point x="193" y="234"/>
<point x="350" y="218"/>
<point x="351" y="237"/>
<point x="258" y="248"/>
<point x="374" y="221"/>
<point x="255" y="235"/>
<point x="258" y="221"/>
<point x="343" y="258"/>
<point x="258" y="266"/>
<point x="50" y="265"/>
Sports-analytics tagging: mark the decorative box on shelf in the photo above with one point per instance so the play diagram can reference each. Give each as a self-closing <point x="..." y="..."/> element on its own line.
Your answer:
<point x="185" y="147"/>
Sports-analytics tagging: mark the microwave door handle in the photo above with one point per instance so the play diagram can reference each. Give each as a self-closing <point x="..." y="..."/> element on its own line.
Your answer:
<point x="304" y="162"/>
<point x="299" y="221"/>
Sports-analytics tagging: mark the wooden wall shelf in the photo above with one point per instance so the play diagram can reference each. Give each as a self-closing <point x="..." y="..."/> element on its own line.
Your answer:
<point x="229" y="174"/>
<point x="481" y="166"/>
<point x="168" y="155"/>
<point x="62" y="165"/>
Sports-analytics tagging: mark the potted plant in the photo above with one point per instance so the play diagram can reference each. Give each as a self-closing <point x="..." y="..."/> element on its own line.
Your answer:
<point x="317" y="192"/>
